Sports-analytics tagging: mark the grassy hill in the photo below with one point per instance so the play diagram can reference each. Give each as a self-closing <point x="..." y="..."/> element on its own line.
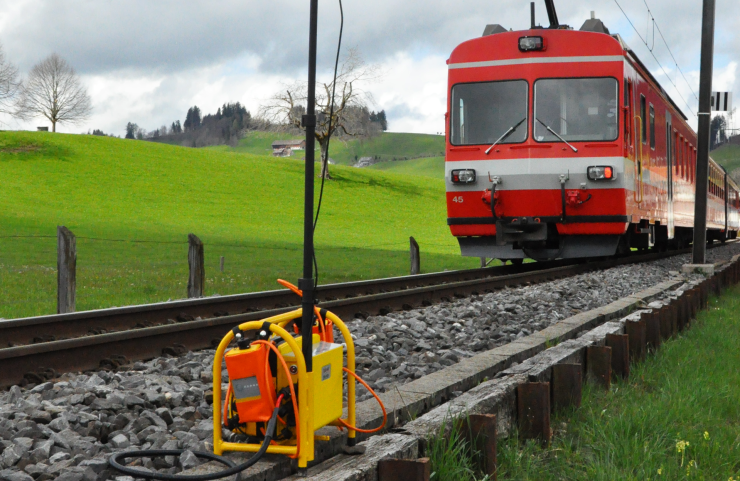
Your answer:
<point x="427" y="167"/>
<point x="132" y="204"/>
<point x="388" y="146"/>
<point x="728" y="156"/>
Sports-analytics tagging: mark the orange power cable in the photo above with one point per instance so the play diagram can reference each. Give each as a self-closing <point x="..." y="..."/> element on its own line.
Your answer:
<point x="317" y="311"/>
<point x="385" y="415"/>
<point x="292" y="391"/>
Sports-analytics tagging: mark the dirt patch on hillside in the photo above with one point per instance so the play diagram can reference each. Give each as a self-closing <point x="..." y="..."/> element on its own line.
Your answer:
<point x="19" y="149"/>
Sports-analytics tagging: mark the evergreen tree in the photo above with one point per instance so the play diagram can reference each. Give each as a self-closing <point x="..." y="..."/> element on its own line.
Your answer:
<point x="192" y="119"/>
<point x="717" y="135"/>
<point x="131" y="130"/>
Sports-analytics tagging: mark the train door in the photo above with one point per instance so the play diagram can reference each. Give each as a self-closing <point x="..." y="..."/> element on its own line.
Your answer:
<point x="669" y="172"/>
<point x="629" y="127"/>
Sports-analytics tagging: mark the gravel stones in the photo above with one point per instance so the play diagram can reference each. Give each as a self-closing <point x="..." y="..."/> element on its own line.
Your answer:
<point x="67" y="428"/>
<point x="406" y="345"/>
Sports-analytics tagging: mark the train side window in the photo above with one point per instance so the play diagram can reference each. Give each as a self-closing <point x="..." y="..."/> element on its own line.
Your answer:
<point x="652" y="127"/>
<point x="676" y="148"/>
<point x="686" y="159"/>
<point x="643" y="119"/>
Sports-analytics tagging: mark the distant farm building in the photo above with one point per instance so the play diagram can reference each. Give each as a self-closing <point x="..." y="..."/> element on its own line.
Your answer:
<point x="283" y="148"/>
<point x="366" y="162"/>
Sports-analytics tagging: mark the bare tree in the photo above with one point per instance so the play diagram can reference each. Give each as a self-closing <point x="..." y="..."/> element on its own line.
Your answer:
<point x="53" y="90"/>
<point x="9" y="84"/>
<point x="350" y="116"/>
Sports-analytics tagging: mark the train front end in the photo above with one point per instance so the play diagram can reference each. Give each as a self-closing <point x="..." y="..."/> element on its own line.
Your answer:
<point x="536" y="161"/>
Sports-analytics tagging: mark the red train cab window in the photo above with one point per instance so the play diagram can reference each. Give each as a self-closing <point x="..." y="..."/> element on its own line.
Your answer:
<point x="488" y="112"/>
<point x="576" y="109"/>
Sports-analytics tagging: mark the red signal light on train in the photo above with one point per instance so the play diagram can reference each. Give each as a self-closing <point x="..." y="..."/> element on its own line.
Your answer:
<point x="529" y="44"/>
<point x="600" y="172"/>
<point x="463" y="176"/>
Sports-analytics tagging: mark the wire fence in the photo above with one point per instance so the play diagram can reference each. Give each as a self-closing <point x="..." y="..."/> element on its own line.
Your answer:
<point x="115" y="270"/>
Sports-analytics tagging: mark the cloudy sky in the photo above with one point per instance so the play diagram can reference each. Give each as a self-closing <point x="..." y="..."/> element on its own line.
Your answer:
<point x="148" y="61"/>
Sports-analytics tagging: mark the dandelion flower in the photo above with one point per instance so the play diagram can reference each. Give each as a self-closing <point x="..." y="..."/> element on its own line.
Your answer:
<point x="660" y="470"/>
<point x="706" y="435"/>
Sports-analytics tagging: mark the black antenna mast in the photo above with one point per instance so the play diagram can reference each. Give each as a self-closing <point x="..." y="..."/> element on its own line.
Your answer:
<point x="552" y="14"/>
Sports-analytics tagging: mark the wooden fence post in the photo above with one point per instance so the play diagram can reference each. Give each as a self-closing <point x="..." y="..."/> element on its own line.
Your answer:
<point x="404" y="469"/>
<point x="483" y="262"/>
<point x="222" y="263"/>
<point x="415" y="258"/>
<point x="66" y="270"/>
<point x="197" y="278"/>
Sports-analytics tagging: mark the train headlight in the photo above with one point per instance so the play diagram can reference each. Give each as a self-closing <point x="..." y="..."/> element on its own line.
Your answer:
<point x="529" y="44"/>
<point x="464" y="176"/>
<point x="600" y="172"/>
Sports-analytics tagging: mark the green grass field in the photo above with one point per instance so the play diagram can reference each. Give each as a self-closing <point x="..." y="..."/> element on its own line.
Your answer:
<point x="132" y="204"/>
<point x="677" y="417"/>
<point x="426" y="152"/>
<point x="427" y="167"/>
<point x="728" y="156"/>
<point x="388" y="146"/>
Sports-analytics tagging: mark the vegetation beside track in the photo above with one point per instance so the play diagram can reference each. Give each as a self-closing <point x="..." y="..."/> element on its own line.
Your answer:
<point x="420" y="154"/>
<point x="248" y="208"/>
<point x="728" y="156"/>
<point x="677" y="417"/>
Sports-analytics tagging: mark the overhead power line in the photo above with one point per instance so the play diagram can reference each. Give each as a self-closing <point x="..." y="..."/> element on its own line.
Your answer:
<point x="655" y="24"/>
<point x="644" y="41"/>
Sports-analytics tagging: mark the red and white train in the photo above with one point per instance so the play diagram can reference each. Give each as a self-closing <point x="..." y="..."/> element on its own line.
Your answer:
<point x="561" y="144"/>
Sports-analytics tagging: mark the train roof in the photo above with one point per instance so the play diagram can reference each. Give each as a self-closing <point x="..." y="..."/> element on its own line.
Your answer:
<point x="560" y="44"/>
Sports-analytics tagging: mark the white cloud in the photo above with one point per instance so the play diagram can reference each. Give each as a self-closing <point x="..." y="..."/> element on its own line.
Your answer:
<point x="147" y="62"/>
<point x="413" y="93"/>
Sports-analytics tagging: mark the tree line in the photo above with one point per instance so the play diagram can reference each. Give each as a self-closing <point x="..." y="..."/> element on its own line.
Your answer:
<point x="52" y="90"/>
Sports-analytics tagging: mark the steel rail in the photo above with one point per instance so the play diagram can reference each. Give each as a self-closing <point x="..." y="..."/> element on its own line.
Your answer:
<point x="53" y="327"/>
<point x="90" y="352"/>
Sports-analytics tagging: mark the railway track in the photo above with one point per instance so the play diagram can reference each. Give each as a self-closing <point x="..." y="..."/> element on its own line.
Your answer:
<point x="108" y="337"/>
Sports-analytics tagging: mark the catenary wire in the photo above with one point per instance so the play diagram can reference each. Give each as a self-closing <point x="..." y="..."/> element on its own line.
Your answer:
<point x="655" y="58"/>
<point x="655" y="24"/>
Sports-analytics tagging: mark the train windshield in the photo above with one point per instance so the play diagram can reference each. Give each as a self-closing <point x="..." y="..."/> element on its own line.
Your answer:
<point x="483" y="113"/>
<point x="583" y="109"/>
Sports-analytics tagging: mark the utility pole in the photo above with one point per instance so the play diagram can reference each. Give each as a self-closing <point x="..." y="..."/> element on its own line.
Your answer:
<point x="705" y="118"/>
<point x="306" y="283"/>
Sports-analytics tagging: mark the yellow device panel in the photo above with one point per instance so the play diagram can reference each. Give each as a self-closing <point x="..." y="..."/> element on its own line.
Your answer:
<point x="327" y="379"/>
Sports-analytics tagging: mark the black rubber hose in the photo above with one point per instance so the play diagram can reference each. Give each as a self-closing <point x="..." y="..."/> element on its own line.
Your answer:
<point x="116" y="461"/>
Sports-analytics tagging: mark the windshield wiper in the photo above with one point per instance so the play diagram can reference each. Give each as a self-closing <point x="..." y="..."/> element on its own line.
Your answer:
<point x="556" y="135"/>
<point x="506" y="134"/>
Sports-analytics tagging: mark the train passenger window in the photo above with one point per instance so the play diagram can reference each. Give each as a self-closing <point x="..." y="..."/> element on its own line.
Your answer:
<point x="485" y="112"/>
<point x="652" y="127"/>
<point x="643" y="119"/>
<point x="583" y="109"/>
<point x="676" y="156"/>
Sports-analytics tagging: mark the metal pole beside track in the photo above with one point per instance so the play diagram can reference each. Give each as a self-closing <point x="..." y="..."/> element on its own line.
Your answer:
<point x="702" y="155"/>
<point x="306" y="283"/>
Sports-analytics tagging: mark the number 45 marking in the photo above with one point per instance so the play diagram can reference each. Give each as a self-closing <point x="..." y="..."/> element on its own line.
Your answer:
<point x="457" y="199"/>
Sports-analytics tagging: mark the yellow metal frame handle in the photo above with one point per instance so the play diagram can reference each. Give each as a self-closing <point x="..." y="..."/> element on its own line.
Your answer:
<point x="305" y="442"/>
